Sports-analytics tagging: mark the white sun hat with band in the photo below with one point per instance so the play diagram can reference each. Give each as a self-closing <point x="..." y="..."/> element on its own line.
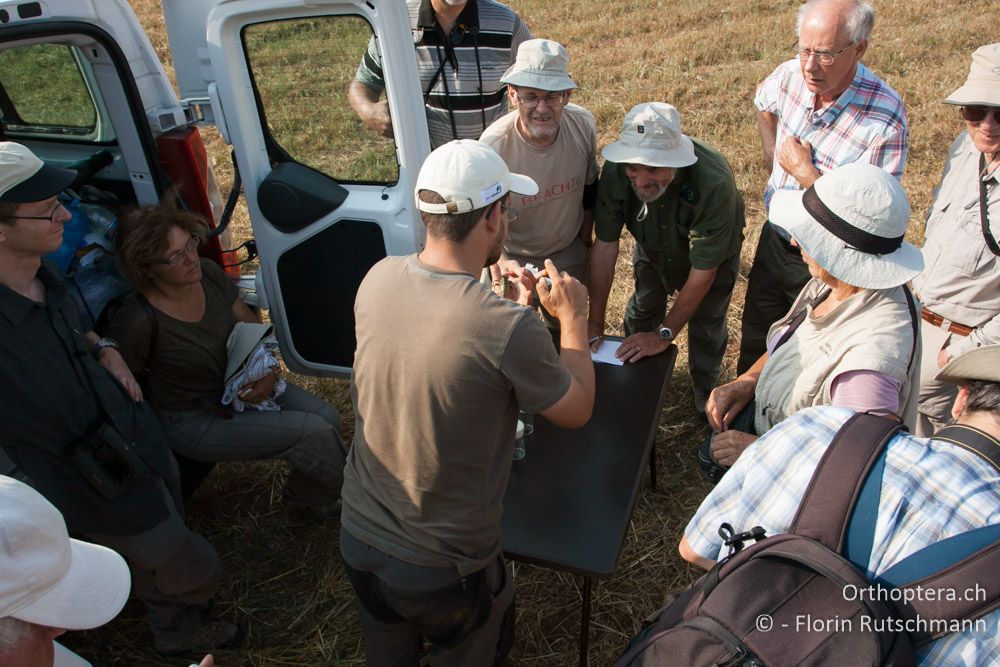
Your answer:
<point x="852" y="221"/>
<point x="651" y="136"/>
<point x="469" y="175"/>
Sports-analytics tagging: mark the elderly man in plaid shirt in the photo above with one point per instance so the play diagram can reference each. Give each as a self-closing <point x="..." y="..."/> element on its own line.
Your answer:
<point x="931" y="490"/>
<point x="820" y="110"/>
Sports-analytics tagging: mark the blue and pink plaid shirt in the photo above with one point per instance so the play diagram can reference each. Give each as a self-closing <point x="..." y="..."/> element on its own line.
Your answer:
<point x="931" y="490"/>
<point x="867" y="122"/>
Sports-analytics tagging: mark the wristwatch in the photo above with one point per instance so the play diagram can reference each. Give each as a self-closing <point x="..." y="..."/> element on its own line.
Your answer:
<point x="666" y="333"/>
<point x="101" y="344"/>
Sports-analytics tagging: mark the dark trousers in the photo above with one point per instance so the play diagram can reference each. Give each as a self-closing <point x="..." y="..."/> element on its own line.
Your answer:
<point x="708" y="334"/>
<point x="467" y="621"/>
<point x="776" y="278"/>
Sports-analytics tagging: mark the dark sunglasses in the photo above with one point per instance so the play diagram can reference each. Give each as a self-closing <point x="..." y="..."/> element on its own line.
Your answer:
<point x="977" y="114"/>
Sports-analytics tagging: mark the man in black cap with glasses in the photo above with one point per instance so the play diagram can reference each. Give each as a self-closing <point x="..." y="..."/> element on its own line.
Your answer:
<point x="72" y="425"/>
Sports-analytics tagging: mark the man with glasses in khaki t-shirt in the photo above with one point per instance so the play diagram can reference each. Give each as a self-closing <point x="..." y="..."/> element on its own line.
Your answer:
<point x="555" y="143"/>
<point x="442" y="367"/>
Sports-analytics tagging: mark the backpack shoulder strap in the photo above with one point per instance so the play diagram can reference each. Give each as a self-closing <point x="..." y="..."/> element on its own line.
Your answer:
<point x="972" y="439"/>
<point x="826" y="509"/>
<point x="911" y="305"/>
<point x="960" y="575"/>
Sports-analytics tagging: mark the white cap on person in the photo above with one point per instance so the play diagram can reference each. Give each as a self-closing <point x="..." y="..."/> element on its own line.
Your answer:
<point x="48" y="578"/>
<point x="468" y="175"/>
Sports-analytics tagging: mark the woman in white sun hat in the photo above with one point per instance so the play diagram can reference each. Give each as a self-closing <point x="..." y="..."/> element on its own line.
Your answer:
<point x="850" y="337"/>
<point x="958" y="291"/>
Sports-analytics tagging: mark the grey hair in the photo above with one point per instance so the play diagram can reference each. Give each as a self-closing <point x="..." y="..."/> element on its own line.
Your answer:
<point x="12" y="632"/>
<point x="984" y="396"/>
<point x="858" y="22"/>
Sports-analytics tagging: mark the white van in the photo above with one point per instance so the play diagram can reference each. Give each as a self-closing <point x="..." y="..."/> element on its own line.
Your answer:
<point x="327" y="198"/>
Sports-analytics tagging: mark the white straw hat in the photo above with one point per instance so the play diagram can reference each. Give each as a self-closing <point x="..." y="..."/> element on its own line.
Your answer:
<point x="47" y="578"/>
<point x="852" y="221"/>
<point x="980" y="363"/>
<point x="651" y="135"/>
<point x="469" y="175"/>
<point x="983" y="84"/>
<point x="542" y="64"/>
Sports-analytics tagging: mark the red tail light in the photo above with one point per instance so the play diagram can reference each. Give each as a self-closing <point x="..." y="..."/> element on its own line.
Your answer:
<point x="183" y="155"/>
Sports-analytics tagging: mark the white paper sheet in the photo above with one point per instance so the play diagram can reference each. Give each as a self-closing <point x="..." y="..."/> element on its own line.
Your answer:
<point x="606" y="353"/>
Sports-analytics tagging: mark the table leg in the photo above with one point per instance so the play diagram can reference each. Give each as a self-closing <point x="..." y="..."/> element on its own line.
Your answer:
<point x="652" y="467"/>
<point x="585" y="623"/>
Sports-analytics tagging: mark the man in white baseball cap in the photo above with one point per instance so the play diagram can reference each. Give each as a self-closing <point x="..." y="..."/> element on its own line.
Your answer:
<point x="49" y="583"/>
<point x="958" y="290"/>
<point x="555" y="143"/>
<point x="679" y="199"/>
<point x="442" y="367"/>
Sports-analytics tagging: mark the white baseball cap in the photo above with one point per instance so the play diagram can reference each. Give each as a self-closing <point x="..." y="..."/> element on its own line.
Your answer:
<point x="48" y="578"/>
<point x="25" y="178"/>
<point x="852" y="221"/>
<point x="469" y="175"/>
<point x="651" y="136"/>
<point x="542" y="64"/>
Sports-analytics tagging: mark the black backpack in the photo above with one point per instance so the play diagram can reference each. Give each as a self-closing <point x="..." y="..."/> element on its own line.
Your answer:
<point x="799" y="599"/>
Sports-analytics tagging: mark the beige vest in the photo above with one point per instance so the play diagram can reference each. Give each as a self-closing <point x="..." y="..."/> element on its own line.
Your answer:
<point x="872" y="330"/>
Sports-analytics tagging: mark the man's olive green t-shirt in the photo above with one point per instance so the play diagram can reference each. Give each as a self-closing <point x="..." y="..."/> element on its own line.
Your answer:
<point x="441" y="368"/>
<point x="697" y="223"/>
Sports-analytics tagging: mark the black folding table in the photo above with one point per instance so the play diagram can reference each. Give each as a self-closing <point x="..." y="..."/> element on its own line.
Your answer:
<point x="570" y="500"/>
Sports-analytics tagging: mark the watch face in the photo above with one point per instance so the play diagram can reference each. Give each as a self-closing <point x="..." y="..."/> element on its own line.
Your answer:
<point x="666" y="333"/>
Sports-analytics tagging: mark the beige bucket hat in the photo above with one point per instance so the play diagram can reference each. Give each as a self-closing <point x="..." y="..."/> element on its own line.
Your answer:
<point x="542" y="64"/>
<point x="983" y="84"/>
<point x="651" y="136"/>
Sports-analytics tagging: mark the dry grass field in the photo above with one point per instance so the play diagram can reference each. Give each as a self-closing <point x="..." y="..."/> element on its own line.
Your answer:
<point x="283" y="576"/>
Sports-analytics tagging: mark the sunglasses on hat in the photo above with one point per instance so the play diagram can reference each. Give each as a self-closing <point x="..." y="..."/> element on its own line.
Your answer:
<point x="977" y="114"/>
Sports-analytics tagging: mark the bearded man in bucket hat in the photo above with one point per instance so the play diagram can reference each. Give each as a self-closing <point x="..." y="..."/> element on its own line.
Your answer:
<point x="958" y="289"/>
<point x="436" y="416"/>
<point x="850" y="338"/>
<point x="679" y="199"/>
<point x="555" y="143"/>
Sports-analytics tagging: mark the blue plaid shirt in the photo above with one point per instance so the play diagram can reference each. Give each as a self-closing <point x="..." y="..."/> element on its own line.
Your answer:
<point x="931" y="490"/>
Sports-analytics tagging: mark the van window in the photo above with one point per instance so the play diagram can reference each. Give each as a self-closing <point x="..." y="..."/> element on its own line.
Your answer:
<point x="301" y="70"/>
<point x="42" y="91"/>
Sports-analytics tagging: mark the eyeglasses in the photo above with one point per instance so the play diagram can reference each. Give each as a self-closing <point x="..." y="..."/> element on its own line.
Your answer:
<point x="51" y="217"/>
<point x="824" y="58"/>
<point x="189" y="247"/>
<point x="554" y="100"/>
<point x="977" y="114"/>
<point x="510" y="211"/>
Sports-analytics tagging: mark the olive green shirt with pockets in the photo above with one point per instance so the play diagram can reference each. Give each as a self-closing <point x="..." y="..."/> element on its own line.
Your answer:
<point x="697" y="223"/>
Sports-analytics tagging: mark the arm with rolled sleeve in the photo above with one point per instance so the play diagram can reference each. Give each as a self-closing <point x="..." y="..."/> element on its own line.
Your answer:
<point x="888" y="152"/>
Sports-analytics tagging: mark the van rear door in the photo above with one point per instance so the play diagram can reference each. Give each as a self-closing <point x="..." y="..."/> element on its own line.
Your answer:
<point x="327" y="197"/>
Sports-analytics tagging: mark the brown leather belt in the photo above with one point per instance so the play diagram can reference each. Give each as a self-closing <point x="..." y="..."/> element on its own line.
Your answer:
<point x="937" y="321"/>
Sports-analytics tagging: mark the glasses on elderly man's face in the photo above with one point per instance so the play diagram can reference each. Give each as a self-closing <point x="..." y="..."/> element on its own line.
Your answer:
<point x="554" y="100"/>
<point x="189" y="248"/>
<point x="824" y="58"/>
<point x="977" y="114"/>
